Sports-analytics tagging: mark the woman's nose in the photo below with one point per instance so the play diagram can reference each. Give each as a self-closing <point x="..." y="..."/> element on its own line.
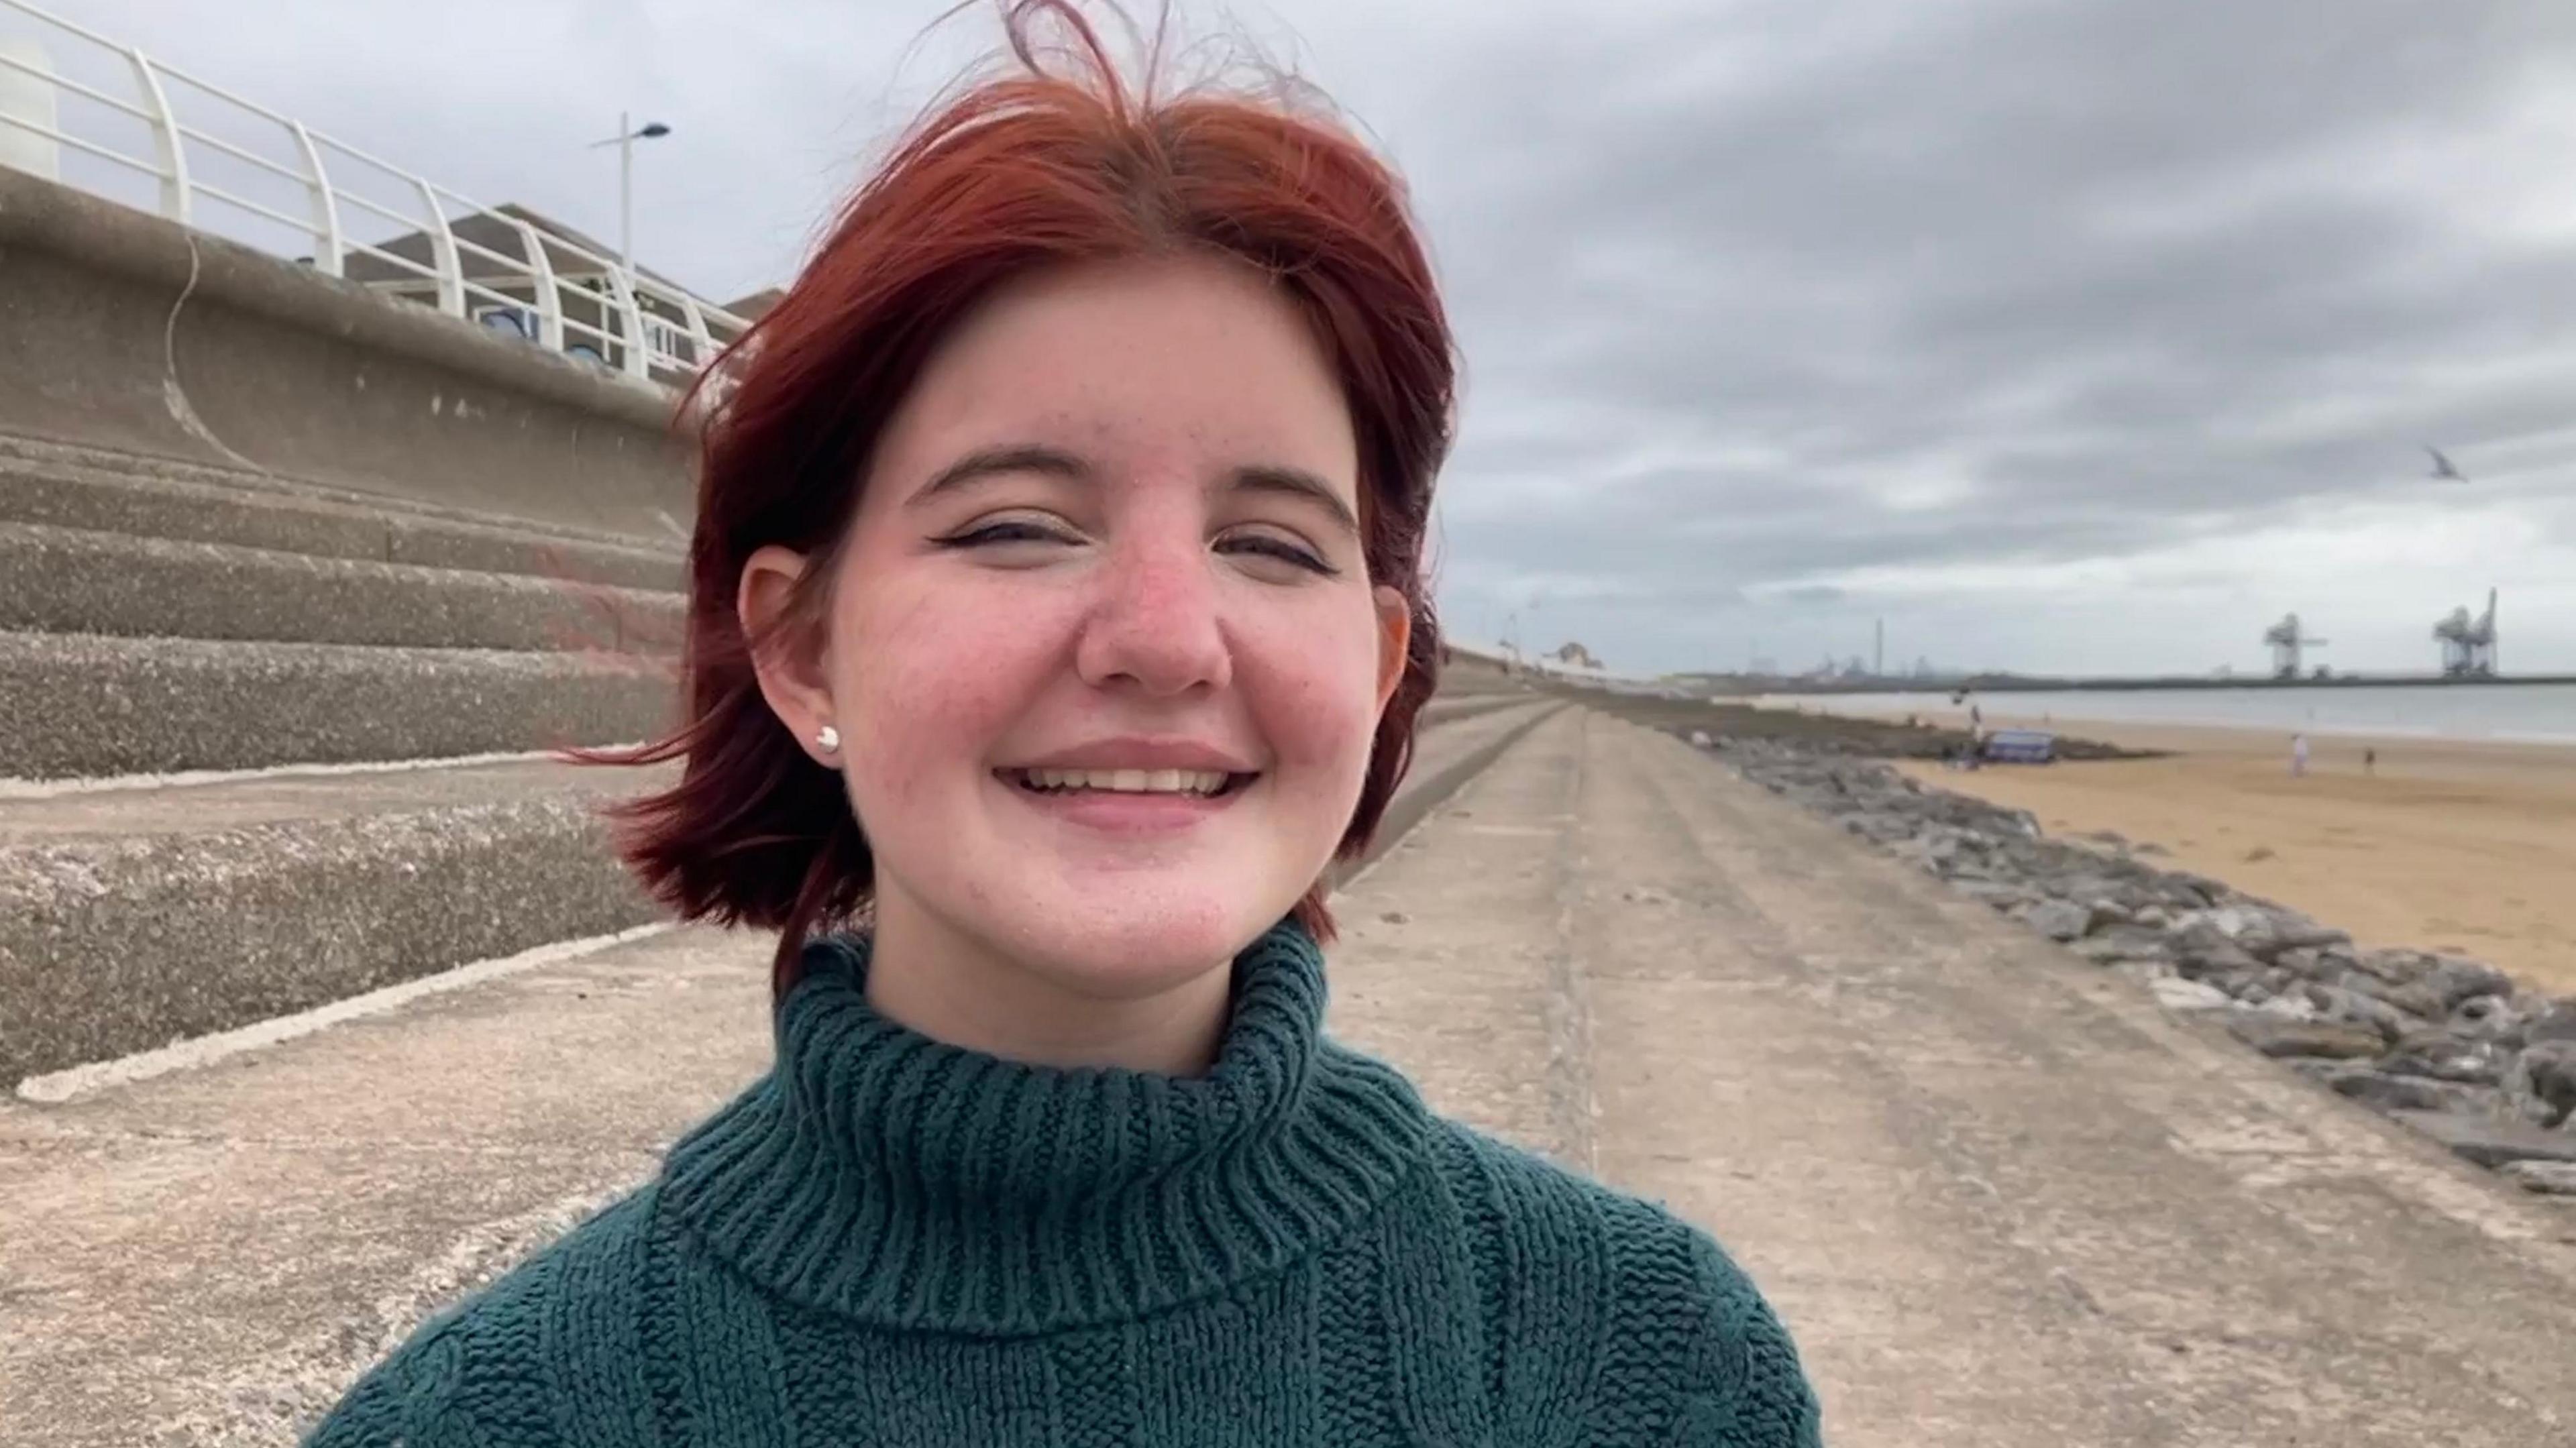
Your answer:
<point x="1154" y="625"/>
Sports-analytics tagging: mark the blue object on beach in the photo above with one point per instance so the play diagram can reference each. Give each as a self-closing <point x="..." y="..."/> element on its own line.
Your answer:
<point x="2020" y="746"/>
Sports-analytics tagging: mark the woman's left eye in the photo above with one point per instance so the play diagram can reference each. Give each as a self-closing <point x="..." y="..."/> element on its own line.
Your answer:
<point x="1279" y="548"/>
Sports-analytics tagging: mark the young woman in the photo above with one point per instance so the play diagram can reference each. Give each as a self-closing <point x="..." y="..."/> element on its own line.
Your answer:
<point x="1057" y="620"/>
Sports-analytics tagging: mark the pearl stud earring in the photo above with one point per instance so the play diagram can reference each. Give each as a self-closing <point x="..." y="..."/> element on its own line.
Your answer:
<point x="827" y="739"/>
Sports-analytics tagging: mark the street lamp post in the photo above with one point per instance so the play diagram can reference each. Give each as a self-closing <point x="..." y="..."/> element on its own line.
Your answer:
<point x="627" y="135"/>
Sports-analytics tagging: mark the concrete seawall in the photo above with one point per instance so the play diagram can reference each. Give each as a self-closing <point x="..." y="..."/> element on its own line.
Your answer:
<point x="124" y="330"/>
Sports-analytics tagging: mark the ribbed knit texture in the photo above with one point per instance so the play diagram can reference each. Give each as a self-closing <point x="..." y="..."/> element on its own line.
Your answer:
<point x="891" y="1240"/>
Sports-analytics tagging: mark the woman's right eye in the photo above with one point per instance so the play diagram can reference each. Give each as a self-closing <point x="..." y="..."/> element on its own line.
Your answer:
<point x="1009" y="530"/>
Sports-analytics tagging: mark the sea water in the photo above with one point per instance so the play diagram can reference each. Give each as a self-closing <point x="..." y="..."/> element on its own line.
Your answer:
<point x="2531" y="713"/>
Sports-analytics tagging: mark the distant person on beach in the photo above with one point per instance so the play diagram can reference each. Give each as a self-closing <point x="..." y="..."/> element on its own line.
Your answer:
<point x="2370" y="761"/>
<point x="2298" y="755"/>
<point x="1058" y="626"/>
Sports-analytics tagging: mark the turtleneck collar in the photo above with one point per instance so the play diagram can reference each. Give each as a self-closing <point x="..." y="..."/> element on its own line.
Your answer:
<point x="887" y="1177"/>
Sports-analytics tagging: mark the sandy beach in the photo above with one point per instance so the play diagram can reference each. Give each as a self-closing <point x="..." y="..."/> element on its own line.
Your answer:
<point x="2451" y="845"/>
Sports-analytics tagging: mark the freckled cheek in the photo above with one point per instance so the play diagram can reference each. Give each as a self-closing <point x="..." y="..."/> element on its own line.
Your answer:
<point x="1317" y="678"/>
<point x="933" y="685"/>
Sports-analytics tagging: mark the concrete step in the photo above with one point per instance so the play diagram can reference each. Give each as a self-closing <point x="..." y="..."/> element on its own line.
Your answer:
<point x="136" y="915"/>
<point x="86" y="704"/>
<point x="1445" y="707"/>
<point x="133" y="916"/>
<point x="227" y="1244"/>
<point x="41" y="453"/>
<point x="146" y="504"/>
<point x="70" y="580"/>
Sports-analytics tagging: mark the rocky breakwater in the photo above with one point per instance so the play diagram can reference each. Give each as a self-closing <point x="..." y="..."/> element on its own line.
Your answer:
<point x="2449" y="1045"/>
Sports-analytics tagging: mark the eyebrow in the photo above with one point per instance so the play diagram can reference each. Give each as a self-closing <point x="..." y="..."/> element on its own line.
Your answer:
<point x="1056" y="462"/>
<point x="1295" y="483"/>
<point x="1013" y="458"/>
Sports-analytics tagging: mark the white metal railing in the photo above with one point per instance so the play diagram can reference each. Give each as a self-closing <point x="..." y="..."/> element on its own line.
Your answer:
<point x="223" y="164"/>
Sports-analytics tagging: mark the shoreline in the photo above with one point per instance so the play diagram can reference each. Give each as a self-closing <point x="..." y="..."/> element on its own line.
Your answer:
<point x="2450" y="844"/>
<point x="2001" y="711"/>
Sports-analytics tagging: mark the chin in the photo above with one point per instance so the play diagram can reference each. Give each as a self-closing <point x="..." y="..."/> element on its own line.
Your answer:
<point x="1130" y="949"/>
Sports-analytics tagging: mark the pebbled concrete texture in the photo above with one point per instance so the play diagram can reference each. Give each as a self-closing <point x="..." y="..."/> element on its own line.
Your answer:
<point x="42" y="451"/>
<point x="1466" y="706"/>
<point x="1999" y="1197"/>
<point x="85" y="705"/>
<point x="225" y="1248"/>
<point x="132" y="918"/>
<point x="65" y="580"/>
<point x="165" y="503"/>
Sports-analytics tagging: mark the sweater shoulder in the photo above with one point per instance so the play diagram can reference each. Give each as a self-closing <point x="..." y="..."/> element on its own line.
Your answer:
<point x="1650" y="1329"/>
<point x="483" y="1371"/>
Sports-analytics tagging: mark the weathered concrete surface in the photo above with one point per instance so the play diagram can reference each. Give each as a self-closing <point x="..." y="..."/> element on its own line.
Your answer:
<point x="145" y="497"/>
<point x="1449" y="750"/>
<point x="120" y="328"/>
<point x="74" y="705"/>
<point x="2000" y="1198"/>
<point x="132" y="917"/>
<point x="1445" y="710"/>
<point x="218" y="1252"/>
<point x="209" y="1258"/>
<point x="70" y="580"/>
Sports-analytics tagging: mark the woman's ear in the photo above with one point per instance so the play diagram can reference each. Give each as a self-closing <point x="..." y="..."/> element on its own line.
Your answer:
<point x="787" y="653"/>
<point x="1394" y="638"/>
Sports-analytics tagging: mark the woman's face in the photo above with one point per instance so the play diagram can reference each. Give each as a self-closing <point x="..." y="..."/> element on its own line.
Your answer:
<point x="1102" y="652"/>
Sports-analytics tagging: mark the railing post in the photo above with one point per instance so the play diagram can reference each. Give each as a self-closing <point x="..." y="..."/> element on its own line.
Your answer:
<point x="541" y="270"/>
<point x="704" y="343"/>
<point x="165" y="139"/>
<point x="326" y="207"/>
<point x="442" y="249"/>
<point x="637" y="364"/>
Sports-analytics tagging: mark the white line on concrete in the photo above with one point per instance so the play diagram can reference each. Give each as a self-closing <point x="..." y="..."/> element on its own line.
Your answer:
<point x="51" y="788"/>
<point x="56" y="1087"/>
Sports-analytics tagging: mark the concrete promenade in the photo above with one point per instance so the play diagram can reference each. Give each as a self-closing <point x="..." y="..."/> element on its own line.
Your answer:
<point x="2000" y="1197"/>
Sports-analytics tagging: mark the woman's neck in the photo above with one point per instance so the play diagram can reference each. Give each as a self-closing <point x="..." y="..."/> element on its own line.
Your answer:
<point x="961" y="990"/>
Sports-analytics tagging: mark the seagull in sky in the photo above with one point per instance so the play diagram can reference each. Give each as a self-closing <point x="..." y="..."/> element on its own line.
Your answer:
<point x="2443" y="472"/>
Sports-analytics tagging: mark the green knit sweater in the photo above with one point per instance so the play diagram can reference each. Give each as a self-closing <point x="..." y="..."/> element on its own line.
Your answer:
<point x="887" y="1240"/>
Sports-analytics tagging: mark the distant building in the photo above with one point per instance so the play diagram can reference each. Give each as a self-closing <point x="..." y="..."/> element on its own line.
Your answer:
<point x="756" y="306"/>
<point x="1577" y="655"/>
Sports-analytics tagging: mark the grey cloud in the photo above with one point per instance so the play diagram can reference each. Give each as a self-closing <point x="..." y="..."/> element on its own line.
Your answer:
<point x="1756" y="294"/>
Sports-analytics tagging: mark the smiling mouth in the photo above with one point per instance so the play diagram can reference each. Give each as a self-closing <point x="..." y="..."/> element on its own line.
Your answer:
<point x="1186" y="783"/>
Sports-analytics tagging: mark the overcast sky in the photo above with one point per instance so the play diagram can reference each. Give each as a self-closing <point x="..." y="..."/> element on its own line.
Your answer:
<point x="2064" y="335"/>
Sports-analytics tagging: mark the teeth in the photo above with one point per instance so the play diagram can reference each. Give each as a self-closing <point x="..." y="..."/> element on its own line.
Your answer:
<point x="1131" y="781"/>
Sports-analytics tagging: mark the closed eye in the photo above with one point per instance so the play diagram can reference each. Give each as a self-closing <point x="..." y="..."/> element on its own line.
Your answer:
<point x="1021" y="530"/>
<point x="1014" y="530"/>
<point x="1279" y="548"/>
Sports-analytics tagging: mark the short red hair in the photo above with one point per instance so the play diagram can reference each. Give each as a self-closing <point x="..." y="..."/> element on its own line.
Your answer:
<point x="1016" y="174"/>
